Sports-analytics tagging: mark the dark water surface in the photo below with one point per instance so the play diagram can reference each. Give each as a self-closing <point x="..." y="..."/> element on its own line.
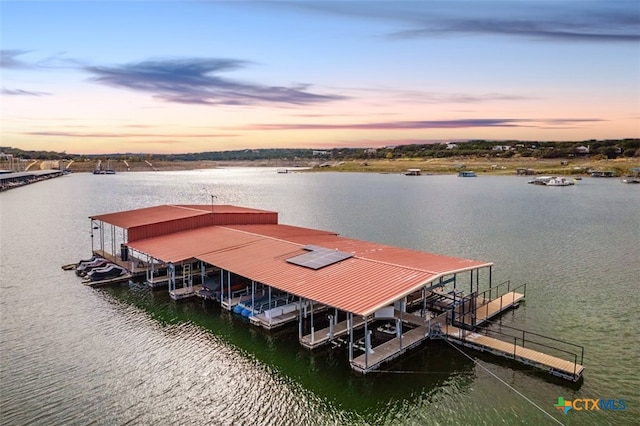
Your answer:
<point x="70" y="354"/>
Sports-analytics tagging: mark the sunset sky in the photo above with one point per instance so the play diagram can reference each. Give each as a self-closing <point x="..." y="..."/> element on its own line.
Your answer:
<point x="190" y="76"/>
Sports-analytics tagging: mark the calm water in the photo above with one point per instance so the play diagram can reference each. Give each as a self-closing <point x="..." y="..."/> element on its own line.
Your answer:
<point x="127" y="355"/>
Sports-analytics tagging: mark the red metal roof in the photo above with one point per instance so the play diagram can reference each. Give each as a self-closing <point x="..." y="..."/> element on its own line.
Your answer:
<point x="376" y="276"/>
<point x="147" y="216"/>
<point x="166" y="213"/>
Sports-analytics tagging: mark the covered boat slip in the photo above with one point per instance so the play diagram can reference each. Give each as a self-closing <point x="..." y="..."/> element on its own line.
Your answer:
<point x="338" y="289"/>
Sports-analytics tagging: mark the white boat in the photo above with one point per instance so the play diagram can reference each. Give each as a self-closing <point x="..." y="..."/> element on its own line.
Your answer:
<point x="630" y="179"/>
<point x="553" y="181"/>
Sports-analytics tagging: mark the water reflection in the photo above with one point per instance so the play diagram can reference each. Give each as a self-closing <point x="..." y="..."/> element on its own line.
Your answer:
<point x="72" y="354"/>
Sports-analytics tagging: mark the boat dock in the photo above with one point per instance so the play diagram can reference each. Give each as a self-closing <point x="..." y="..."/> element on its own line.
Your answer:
<point x="380" y="301"/>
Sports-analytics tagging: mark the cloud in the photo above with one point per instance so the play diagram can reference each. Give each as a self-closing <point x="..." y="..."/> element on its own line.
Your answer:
<point x="8" y="59"/>
<point x="20" y="92"/>
<point x="198" y="81"/>
<point x="429" y="124"/>
<point x="553" y="29"/>
<point x="576" y="20"/>
<point x="127" y="135"/>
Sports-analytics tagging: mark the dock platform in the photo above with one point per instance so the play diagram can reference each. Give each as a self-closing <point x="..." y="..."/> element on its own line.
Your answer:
<point x="556" y="366"/>
<point x="390" y="350"/>
<point x="323" y="336"/>
<point x="485" y="311"/>
<point x="184" y="292"/>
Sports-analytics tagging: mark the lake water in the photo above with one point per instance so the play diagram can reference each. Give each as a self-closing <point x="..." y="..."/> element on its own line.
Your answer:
<point x="128" y="355"/>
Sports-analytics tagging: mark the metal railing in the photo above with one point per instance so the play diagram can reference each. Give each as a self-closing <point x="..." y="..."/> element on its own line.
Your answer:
<point x="528" y="338"/>
<point x="468" y="305"/>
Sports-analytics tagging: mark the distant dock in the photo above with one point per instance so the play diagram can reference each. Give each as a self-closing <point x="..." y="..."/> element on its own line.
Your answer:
<point x="11" y="180"/>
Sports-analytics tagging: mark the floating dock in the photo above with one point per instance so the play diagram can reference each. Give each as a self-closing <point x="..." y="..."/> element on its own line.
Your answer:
<point x="569" y="370"/>
<point x="380" y="301"/>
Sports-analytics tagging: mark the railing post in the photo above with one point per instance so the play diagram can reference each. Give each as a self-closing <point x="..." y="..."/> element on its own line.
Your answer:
<point x="514" y="348"/>
<point x="523" y="338"/>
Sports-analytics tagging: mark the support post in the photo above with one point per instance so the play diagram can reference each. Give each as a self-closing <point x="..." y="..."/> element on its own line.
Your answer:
<point x="253" y="297"/>
<point x="366" y="344"/>
<point x="350" y="325"/>
<point x="300" y="319"/>
<point x="270" y="316"/>
<point x="221" y="285"/>
<point x="330" y="327"/>
<point x="490" y="281"/>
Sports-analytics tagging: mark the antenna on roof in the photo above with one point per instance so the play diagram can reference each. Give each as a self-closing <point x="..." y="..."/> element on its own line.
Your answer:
<point x="212" y="197"/>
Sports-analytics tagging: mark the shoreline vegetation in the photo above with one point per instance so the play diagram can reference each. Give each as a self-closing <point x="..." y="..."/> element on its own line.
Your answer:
<point x="617" y="157"/>
<point x="427" y="166"/>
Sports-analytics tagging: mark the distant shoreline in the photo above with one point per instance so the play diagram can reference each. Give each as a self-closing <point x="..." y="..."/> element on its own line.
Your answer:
<point x="488" y="166"/>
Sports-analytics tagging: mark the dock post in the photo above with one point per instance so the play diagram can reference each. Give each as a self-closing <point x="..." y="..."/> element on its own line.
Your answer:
<point x="221" y="286"/>
<point x="366" y="344"/>
<point x="253" y="297"/>
<point x="300" y="319"/>
<point x="172" y="276"/>
<point x="330" y="327"/>
<point x="350" y="326"/>
<point x="253" y="307"/>
<point x="490" y="280"/>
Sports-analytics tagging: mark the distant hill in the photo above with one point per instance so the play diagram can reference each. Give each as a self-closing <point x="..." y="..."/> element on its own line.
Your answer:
<point x="609" y="149"/>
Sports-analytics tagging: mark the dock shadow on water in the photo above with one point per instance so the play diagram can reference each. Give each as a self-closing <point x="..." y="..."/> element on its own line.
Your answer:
<point x="325" y="372"/>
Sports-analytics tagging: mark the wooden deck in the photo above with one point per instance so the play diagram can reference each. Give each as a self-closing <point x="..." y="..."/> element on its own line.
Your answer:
<point x="321" y="337"/>
<point x="486" y="311"/>
<point x="390" y="350"/>
<point x="556" y="366"/>
<point x="184" y="292"/>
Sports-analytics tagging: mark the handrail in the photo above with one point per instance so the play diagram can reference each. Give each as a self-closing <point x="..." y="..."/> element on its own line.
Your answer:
<point x="487" y="331"/>
<point x="473" y="307"/>
<point x="542" y="336"/>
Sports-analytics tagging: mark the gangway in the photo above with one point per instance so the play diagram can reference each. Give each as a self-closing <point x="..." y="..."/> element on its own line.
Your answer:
<point x="516" y="350"/>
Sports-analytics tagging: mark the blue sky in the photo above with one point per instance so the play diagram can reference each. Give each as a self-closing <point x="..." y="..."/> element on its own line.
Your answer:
<point x="161" y="76"/>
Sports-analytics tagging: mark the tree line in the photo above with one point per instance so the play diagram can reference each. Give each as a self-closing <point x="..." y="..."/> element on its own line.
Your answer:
<point x="593" y="148"/>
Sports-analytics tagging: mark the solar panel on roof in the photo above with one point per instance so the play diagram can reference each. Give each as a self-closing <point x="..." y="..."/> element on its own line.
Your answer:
<point x="318" y="257"/>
